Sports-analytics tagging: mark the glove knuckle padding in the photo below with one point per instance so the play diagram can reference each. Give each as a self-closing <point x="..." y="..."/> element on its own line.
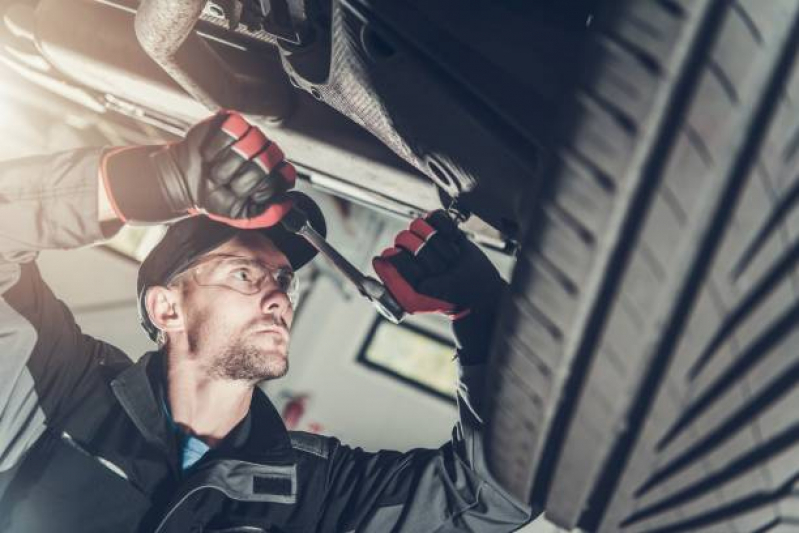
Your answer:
<point x="437" y="253"/>
<point x="219" y="200"/>
<point x="229" y="168"/>
<point x="431" y="259"/>
<point x="266" y="190"/>
<point x="255" y="146"/>
<point x="416" y="249"/>
<point x="248" y="177"/>
<point x="448" y="245"/>
<point x="408" y="241"/>
<point x="390" y="269"/>
<point x="232" y="124"/>
<point x="405" y="265"/>
<point x="251" y="165"/>
<point x="215" y="144"/>
<point x="442" y="223"/>
<point x="420" y="227"/>
<point x="445" y="252"/>
<point x="271" y="156"/>
<point x="225" y="167"/>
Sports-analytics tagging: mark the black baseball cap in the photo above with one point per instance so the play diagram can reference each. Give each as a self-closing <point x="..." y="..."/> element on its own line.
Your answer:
<point x="188" y="239"/>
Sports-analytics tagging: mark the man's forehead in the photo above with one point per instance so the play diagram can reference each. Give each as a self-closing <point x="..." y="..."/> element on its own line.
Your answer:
<point x="252" y="244"/>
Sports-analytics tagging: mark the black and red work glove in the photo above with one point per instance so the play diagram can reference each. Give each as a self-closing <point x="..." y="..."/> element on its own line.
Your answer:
<point x="225" y="168"/>
<point x="434" y="268"/>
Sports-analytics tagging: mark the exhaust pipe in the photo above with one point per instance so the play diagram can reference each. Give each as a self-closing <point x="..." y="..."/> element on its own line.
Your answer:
<point x="164" y="29"/>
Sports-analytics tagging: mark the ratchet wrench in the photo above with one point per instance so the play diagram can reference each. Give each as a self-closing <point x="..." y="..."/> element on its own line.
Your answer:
<point x="296" y="221"/>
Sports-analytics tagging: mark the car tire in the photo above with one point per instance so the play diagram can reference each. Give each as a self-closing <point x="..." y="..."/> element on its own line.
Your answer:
<point x="643" y="373"/>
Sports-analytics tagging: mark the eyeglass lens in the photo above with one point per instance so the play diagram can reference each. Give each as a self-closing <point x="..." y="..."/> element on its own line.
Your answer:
<point x="247" y="276"/>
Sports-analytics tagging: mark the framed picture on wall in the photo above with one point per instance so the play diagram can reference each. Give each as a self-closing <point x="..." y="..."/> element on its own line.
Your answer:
<point x="412" y="355"/>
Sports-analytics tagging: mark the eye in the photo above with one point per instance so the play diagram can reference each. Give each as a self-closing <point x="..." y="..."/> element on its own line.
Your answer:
<point x="242" y="274"/>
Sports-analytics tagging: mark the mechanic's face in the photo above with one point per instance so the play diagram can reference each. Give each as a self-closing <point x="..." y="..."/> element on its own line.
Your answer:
<point x="240" y="336"/>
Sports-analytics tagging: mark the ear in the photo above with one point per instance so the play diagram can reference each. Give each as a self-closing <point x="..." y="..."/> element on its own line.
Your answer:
<point x="163" y="307"/>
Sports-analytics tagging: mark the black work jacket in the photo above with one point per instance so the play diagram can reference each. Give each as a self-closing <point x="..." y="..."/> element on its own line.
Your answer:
<point x="85" y="445"/>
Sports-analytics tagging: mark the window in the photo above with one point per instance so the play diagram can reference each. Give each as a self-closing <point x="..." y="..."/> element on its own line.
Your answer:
<point x="413" y="355"/>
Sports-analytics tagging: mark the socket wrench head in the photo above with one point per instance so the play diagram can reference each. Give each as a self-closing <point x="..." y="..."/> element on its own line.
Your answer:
<point x="382" y="299"/>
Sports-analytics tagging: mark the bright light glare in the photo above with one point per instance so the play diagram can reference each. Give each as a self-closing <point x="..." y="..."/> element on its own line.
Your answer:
<point x="6" y="107"/>
<point x="11" y="121"/>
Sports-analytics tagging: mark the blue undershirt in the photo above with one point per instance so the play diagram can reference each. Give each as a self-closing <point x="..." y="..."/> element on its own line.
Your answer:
<point x="192" y="449"/>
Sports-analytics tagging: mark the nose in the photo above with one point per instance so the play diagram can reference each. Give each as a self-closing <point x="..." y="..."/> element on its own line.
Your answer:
<point x="275" y="302"/>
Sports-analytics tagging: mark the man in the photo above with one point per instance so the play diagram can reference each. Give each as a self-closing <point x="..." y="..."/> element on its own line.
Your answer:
<point x="183" y="440"/>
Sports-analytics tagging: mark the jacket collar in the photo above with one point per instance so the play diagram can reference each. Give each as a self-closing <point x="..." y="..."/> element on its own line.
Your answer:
<point x="260" y="438"/>
<point x="137" y="395"/>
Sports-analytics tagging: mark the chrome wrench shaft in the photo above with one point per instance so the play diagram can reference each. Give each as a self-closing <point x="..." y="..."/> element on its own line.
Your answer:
<point x="296" y="221"/>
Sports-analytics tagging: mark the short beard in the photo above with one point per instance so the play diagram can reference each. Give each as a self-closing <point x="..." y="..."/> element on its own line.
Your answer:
<point x="240" y="360"/>
<point x="244" y="362"/>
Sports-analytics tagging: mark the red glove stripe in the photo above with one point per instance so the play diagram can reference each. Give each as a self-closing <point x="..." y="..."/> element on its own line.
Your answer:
<point x="422" y="228"/>
<point x="252" y="143"/>
<point x="236" y="126"/>
<point x="409" y="241"/>
<point x="410" y="300"/>
<point x="390" y="252"/>
<point x="273" y="155"/>
<point x="271" y="216"/>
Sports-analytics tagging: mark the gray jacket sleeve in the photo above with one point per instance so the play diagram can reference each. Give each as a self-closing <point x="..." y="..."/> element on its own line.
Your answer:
<point x="46" y="202"/>
<point x="423" y="491"/>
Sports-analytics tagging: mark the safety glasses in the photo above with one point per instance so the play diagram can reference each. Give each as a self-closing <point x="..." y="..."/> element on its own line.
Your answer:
<point x="243" y="274"/>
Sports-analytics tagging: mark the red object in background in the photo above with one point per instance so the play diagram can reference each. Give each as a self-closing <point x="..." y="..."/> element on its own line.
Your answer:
<point x="293" y="410"/>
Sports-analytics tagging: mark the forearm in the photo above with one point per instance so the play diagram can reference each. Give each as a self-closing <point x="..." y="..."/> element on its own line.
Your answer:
<point x="53" y="202"/>
<point x="48" y="202"/>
